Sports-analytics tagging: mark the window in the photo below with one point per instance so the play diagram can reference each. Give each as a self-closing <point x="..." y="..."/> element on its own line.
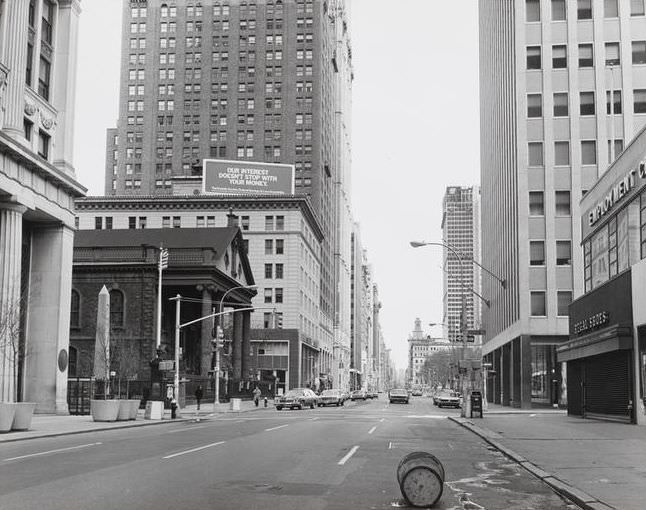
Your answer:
<point x="132" y="222"/>
<point x="612" y="54"/>
<point x="558" y="10"/>
<point x="108" y="222"/>
<point x="98" y="223"/>
<point x="177" y="221"/>
<point x="563" y="253"/>
<point x="269" y="295"/>
<point x="44" y="78"/>
<point x="562" y="203"/>
<point x="532" y="10"/>
<point x="562" y="153"/>
<point x="244" y="222"/>
<point x="560" y="104"/>
<point x="533" y="57"/>
<point x="43" y="144"/>
<point x="267" y="320"/>
<point x="534" y="105"/>
<point x="280" y="246"/>
<point x="28" y="127"/>
<point x="584" y="9"/>
<point x="75" y="309"/>
<point x="535" y="153"/>
<point x="610" y="9"/>
<point x="588" y="152"/>
<point x="279" y="271"/>
<point x="617" y="102"/>
<point x="586" y="106"/>
<point x="46" y="31"/>
<point x="269" y="272"/>
<point x="563" y="300"/>
<point x="280" y="222"/>
<point x="586" y="54"/>
<point x="278" y="295"/>
<point x="636" y="7"/>
<point x="559" y="57"/>
<point x="536" y="205"/>
<point x="537" y="303"/>
<point x="269" y="223"/>
<point x="639" y="98"/>
<point x="618" y="148"/>
<point x="116" y="308"/>
<point x="269" y="246"/>
<point x="537" y="253"/>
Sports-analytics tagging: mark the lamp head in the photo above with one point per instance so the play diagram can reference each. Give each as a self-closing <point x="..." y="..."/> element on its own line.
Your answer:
<point x="417" y="244"/>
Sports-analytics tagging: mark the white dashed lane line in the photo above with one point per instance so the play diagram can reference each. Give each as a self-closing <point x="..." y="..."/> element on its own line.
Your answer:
<point x="348" y="455"/>
<point x="372" y="429"/>
<point x="193" y="450"/>
<point x="276" y="428"/>
<point x="59" y="450"/>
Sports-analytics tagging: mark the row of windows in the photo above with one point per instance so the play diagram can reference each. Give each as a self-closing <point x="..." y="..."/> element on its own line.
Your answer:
<point x="537" y="253"/>
<point x="558" y="9"/>
<point x="273" y="295"/>
<point x="560" y="103"/>
<point x="535" y="152"/>
<point x="538" y="303"/>
<point x="534" y="60"/>
<point x="562" y="205"/>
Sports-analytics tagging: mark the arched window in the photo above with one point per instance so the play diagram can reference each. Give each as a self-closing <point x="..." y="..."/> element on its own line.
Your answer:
<point x="75" y="310"/>
<point x="116" y="308"/>
<point x="72" y="363"/>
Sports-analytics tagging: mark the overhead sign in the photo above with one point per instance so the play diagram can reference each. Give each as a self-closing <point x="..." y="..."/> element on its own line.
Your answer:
<point x="167" y="365"/>
<point x="225" y="177"/>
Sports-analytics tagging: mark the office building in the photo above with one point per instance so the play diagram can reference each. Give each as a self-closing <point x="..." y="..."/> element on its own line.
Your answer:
<point x="38" y="48"/>
<point x="255" y="80"/>
<point x="461" y="231"/>
<point x="561" y="91"/>
<point x="420" y="347"/>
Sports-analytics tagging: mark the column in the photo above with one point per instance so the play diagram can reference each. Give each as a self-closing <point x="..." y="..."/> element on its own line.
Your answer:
<point x="236" y="344"/>
<point x="245" y="342"/>
<point x="10" y="293"/>
<point x="48" y="322"/>
<point x="15" y="56"/>
<point x="64" y="79"/>
<point x="506" y="374"/>
<point x="515" y="373"/>
<point x="207" y="327"/>
<point x="525" y="343"/>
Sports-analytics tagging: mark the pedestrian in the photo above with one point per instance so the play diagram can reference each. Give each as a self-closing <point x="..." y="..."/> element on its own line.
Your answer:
<point x="256" y="395"/>
<point x="198" y="395"/>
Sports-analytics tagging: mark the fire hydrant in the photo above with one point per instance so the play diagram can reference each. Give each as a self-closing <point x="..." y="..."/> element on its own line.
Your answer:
<point x="265" y="401"/>
<point x="173" y="409"/>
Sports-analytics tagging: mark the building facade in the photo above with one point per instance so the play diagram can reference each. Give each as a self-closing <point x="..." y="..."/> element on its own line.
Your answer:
<point x="561" y="90"/>
<point x="263" y="80"/>
<point x="420" y="346"/>
<point x="283" y="241"/>
<point x="38" y="48"/>
<point x="461" y="231"/>
<point x="606" y="352"/>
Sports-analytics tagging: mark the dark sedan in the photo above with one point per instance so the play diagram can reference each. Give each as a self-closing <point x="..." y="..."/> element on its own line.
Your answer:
<point x="398" y="395"/>
<point x="298" y="398"/>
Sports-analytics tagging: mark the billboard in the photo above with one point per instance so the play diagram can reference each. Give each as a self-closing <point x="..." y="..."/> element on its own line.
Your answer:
<point x="224" y="177"/>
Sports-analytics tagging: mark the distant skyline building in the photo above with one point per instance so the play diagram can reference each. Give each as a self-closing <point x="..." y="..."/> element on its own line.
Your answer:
<point x="420" y="346"/>
<point x="267" y="81"/>
<point x="461" y="231"/>
<point x="561" y="95"/>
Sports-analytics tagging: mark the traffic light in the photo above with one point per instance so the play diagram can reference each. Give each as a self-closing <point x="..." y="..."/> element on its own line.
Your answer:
<point x="279" y="320"/>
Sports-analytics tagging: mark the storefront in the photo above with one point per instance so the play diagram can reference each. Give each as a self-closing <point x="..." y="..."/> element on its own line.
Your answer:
<point x="606" y="353"/>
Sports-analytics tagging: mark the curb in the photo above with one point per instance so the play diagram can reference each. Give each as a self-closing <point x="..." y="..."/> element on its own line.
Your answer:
<point x="583" y="499"/>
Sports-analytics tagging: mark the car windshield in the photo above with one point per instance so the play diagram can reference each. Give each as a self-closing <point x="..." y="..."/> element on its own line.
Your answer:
<point x="398" y="392"/>
<point x="330" y="393"/>
<point x="294" y="393"/>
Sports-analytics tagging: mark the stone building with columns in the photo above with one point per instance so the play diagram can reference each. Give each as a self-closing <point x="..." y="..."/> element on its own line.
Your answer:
<point x="38" y="47"/>
<point x="204" y="265"/>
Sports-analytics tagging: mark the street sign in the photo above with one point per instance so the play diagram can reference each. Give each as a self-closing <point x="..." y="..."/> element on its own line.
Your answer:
<point x="167" y="365"/>
<point x="163" y="258"/>
<point x="476" y="332"/>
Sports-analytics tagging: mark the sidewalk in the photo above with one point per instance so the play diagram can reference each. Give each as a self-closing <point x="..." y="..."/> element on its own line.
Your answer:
<point x="596" y="464"/>
<point x="48" y="425"/>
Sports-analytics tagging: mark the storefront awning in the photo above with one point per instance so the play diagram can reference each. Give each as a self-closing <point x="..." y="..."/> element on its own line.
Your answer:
<point x="612" y="338"/>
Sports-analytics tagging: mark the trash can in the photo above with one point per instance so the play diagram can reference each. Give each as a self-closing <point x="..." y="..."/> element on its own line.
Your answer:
<point x="476" y="403"/>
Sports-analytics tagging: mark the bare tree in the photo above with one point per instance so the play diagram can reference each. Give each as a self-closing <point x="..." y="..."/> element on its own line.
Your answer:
<point x="13" y="349"/>
<point x="440" y="366"/>
<point x="124" y="361"/>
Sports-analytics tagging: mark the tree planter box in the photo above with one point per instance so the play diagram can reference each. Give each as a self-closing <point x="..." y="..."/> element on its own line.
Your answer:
<point x="104" y="410"/>
<point x="134" y="408"/>
<point x="124" y="410"/>
<point x="7" y="413"/>
<point x="23" y="416"/>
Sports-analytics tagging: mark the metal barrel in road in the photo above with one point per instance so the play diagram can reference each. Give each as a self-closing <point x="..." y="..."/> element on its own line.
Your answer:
<point x="421" y="479"/>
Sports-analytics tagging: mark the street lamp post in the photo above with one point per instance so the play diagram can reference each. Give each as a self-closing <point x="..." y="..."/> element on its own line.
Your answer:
<point x="216" y="374"/>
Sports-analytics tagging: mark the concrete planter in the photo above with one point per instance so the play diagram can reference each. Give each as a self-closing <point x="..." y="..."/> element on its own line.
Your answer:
<point x="7" y="413"/>
<point x="134" y="408"/>
<point x="124" y="410"/>
<point x="104" y="410"/>
<point x="23" y="416"/>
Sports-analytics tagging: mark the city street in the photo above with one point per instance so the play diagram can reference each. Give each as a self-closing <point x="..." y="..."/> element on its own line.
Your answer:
<point x="323" y="458"/>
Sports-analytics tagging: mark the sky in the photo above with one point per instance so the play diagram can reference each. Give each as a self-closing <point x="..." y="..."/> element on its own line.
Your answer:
<point x="415" y="131"/>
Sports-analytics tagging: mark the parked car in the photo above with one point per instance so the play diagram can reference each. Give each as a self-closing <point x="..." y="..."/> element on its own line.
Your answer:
<point x="297" y="398"/>
<point x="398" y="395"/>
<point x="331" y="398"/>
<point x="416" y="392"/>
<point x="373" y="394"/>
<point x="447" y="398"/>
<point x="358" y="395"/>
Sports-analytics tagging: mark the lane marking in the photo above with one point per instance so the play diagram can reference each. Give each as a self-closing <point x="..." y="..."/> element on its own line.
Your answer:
<point x="348" y="455"/>
<point x="372" y="429"/>
<point x="314" y="419"/>
<point x="382" y="420"/>
<point x="276" y="428"/>
<point x="52" y="451"/>
<point x="185" y="429"/>
<point x="390" y="445"/>
<point x="192" y="450"/>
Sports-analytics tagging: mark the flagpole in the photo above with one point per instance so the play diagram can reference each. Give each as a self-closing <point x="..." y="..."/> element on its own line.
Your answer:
<point x="163" y="262"/>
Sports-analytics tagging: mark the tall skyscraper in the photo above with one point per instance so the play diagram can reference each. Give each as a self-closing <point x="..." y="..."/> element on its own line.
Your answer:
<point x="257" y="80"/>
<point x="561" y="91"/>
<point x="461" y="231"/>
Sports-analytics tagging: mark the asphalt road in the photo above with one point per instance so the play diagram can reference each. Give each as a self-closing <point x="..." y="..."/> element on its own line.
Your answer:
<point x="326" y="458"/>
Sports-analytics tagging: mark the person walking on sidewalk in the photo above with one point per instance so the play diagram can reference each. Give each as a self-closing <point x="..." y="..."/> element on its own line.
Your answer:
<point x="256" y="395"/>
<point x="198" y="395"/>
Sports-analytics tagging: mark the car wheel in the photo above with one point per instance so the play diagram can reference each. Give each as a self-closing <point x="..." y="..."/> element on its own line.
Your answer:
<point x="278" y="408"/>
<point x="312" y="405"/>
